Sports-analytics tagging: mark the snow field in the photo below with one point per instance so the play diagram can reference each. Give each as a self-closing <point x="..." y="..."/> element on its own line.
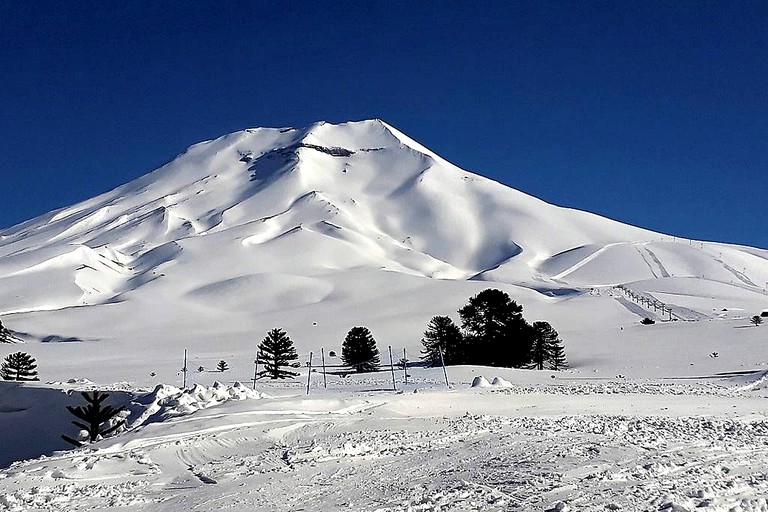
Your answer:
<point x="641" y="445"/>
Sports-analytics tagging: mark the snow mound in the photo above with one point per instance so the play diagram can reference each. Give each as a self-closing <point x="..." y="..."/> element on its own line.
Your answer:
<point x="501" y="382"/>
<point x="167" y="401"/>
<point x="79" y="380"/>
<point x="497" y="382"/>
<point x="480" y="382"/>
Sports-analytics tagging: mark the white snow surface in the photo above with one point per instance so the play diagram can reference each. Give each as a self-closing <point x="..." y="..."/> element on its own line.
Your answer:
<point x="320" y="229"/>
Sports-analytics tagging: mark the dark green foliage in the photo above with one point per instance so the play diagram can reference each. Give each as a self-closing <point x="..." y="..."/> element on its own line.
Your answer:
<point x="756" y="320"/>
<point x="359" y="350"/>
<point x="222" y="366"/>
<point x="19" y="366"/>
<point x="276" y="353"/>
<point x="496" y="332"/>
<point x="443" y="333"/>
<point x="547" y="348"/>
<point x="93" y="416"/>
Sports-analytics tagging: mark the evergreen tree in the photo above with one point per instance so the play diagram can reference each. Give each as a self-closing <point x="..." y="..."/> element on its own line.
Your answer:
<point x="557" y="356"/>
<point x="443" y="333"/>
<point x="540" y="348"/>
<point x="756" y="320"/>
<point x="94" y="415"/>
<point x="359" y="350"/>
<point x="222" y="366"/>
<point x="547" y="348"/>
<point x="19" y="366"/>
<point x="496" y="332"/>
<point x="276" y="352"/>
<point x="6" y="336"/>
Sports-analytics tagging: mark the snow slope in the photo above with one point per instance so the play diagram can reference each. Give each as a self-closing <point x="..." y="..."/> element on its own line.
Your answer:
<point x="322" y="228"/>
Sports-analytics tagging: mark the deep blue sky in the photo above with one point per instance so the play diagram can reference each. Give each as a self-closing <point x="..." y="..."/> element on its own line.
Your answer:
<point x="654" y="114"/>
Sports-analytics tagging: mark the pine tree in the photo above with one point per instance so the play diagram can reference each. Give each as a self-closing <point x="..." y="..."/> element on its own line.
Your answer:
<point x="495" y="330"/>
<point x="94" y="415"/>
<point x="756" y="320"/>
<point x="277" y="352"/>
<point x="547" y="348"/>
<point x="19" y="366"/>
<point x="6" y="336"/>
<point x="557" y="356"/>
<point x="443" y="334"/>
<point x="222" y="366"/>
<point x="359" y="350"/>
<point x="542" y="332"/>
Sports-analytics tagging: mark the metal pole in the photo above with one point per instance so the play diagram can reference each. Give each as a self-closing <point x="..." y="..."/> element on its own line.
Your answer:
<point x="309" y="371"/>
<point x="405" y="365"/>
<point x="184" y="369"/>
<point x="255" y="370"/>
<point x="442" y="362"/>
<point x="322" y="356"/>
<point x="392" y="369"/>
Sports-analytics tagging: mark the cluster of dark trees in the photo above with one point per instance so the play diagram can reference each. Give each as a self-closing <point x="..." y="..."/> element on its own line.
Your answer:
<point x="493" y="333"/>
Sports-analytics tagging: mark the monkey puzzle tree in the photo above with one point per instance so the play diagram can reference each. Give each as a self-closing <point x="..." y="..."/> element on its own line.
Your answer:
<point x="496" y="332"/>
<point x="94" y="416"/>
<point x="19" y="366"/>
<point x="359" y="350"/>
<point x="443" y="334"/>
<point x="276" y="353"/>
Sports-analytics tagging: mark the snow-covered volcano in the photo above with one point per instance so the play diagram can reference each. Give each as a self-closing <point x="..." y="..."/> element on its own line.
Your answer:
<point x="333" y="225"/>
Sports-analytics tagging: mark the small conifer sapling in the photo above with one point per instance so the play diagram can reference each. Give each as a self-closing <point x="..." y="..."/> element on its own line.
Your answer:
<point x="92" y="417"/>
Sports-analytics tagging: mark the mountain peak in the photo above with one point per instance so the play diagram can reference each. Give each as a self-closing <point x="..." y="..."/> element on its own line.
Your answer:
<point x="328" y="197"/>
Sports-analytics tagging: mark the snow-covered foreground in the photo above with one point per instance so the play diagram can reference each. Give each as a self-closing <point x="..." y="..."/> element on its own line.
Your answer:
<point x="534" y="443"/>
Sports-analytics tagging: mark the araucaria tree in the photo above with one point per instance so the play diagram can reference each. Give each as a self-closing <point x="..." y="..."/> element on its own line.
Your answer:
<point x="19" y="366"/>
<point x="359" y="350"/>
<point x="6" y="336"/>
<point x="443" y="334"/>
<point x="547" y="348"/>
<point x="222" y="366"/>
<point x="94" y="416"/>
<point x="277" y="353"/>
<point x="496" y="332"/>
<point x="557" y="356"/>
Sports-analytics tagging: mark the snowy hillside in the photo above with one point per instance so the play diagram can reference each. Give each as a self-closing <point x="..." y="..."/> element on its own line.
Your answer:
<point x="330" y="226"/>
<point x="333" y="226"/>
